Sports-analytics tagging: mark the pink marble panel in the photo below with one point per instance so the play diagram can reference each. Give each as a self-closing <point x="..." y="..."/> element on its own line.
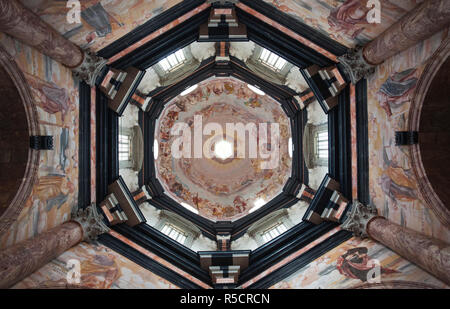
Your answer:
<point x="354" y="141"/>
<point x="93" y="146"/>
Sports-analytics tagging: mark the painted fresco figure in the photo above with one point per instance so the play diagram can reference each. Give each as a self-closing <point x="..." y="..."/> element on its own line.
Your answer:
<point x="346" y="17"/>
<point x="355" y="263"/>
<point x="395" y="90"/>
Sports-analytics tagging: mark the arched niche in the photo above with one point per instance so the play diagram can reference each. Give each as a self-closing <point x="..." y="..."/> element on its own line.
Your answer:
<point x="430" y="116"/>
<point x="18" y="121"/>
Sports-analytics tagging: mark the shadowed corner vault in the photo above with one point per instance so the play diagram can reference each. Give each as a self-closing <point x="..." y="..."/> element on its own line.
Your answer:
<point x="315" y="56"/>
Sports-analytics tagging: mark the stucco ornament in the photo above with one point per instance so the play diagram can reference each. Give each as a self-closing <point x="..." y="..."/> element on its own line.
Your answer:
<point x="90" y="68"/>
<point x="91" y="222"/>
<point x="355" y="65"/>
<point x="358" y="218"/>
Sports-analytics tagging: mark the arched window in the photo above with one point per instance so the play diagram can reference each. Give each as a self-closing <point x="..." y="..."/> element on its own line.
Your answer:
<point x="316" y="145"/>
<point x="274" y="231"/>
<point x="271" y="60"/>
<point x="173" y="61"/>
<point x="124" y="148"/>
<point x="321" y="145"/>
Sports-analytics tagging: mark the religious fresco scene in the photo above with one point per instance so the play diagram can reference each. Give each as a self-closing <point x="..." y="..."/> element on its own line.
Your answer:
<point x="320" y="163"/>
<point x="102" y="22"/>
<point x="55" y="94"/>
<point x="224" y="189"/>
<point x="102" y="269"/>
<point x="394" y="189"/>
<point x="354" y="264"/>
<point x="345" y="20"/>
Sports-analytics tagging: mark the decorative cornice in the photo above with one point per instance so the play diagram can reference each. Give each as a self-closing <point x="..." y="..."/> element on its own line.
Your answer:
<point x="90" y="68"/>
<point x="359" y="217"/>
<point x="355" y="66"/>
<point x="91" y="222"/>
<point x="222" y="2"/>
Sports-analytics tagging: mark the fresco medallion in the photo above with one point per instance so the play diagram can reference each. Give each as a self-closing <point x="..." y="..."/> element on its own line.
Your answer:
<point x="218" y="170"/>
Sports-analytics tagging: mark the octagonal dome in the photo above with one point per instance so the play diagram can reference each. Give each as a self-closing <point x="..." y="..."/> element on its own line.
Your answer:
<point x="203" y="174"/>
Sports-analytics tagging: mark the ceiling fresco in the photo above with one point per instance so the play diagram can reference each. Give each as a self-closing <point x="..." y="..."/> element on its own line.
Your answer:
<point x="224" y="182"/>
<point x="102" y="21"/>
<point x="345" y="21"/>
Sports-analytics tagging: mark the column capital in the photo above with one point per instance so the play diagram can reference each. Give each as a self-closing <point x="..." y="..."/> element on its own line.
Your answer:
<point x="359" y="217"/>
<point x="90" y="68"/>
<point x="355" y="66"/>
<point x="91" y="222"/>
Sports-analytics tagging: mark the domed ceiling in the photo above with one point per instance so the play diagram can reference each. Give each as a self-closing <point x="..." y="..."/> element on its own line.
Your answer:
<point x="221" y="193"/>
<point x="231" y="175"/>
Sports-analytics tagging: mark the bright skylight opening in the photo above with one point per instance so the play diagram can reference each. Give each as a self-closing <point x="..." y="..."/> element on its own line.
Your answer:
<point x="223" y="149"/>
<point x="190" y="208"/>
<point x="189" y="90"/>
<point x="322" y="145"/>
<point x="290" y="147"/>
<point x="155" y="149"/>
<point x="256" y="90"/>
<point x="274" y="232"/>
<point x="174" y="233"/>
<point x="272" y="60"/>
<point x="124" y="148"/>
<point x="173" y="61"/>
<point x="257" y="205"/>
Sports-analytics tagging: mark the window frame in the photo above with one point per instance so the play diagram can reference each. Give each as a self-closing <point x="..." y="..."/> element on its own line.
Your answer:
<point x="311" y="145"/>
<point x="175" y="229"/>
<point x="173" y="67"/>
<point x="191" y="232"/>
<point x="267" y="236"/>
<point x="121" y="143"/>
<point x="318" y="141"/>
<point x="266" y="63"/>
<point x="256" y="230"/>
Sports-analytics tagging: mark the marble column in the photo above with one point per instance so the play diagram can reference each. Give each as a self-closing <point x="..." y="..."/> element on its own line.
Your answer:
<point x="430" y="254"/>
<point x="422" y="22"/>
<point x="21" y="260"/>
<point x="22" y="24"/>
<point x="426" y="19"/>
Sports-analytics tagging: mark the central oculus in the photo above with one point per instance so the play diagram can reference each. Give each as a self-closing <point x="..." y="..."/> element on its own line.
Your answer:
<point x="223" y="150"/>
